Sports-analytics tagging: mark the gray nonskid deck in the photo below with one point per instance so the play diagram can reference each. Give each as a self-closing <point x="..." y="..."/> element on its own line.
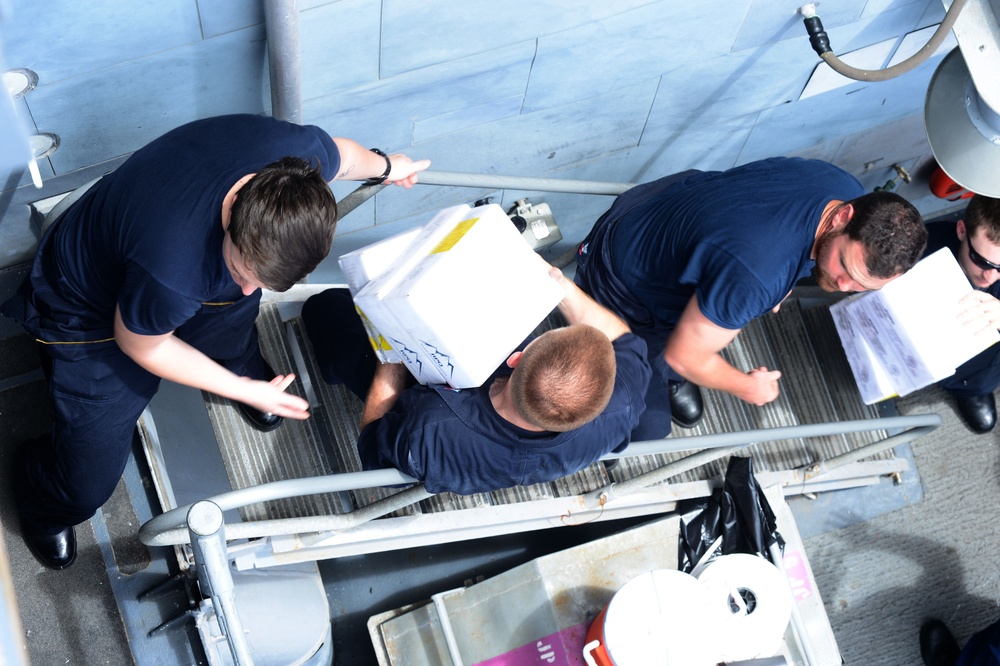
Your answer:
<point x="816" y="387"/>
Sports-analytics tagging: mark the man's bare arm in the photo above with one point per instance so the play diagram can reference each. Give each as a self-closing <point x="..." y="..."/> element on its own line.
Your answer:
<point x="693" y="352"/>
<point x="169" y="357"/>
<point x="579" y="308"/>
<point x="388" y="383"/>
<point x="359" y="163"/>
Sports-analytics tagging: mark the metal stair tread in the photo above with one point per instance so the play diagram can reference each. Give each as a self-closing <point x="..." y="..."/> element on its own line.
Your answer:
<point x="797" y="340"/>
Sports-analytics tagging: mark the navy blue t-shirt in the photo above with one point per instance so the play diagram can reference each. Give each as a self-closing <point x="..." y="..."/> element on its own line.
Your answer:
<point x="739" y="239"/>
<point x="148" y="236"/>
<point x="454" y="441"/>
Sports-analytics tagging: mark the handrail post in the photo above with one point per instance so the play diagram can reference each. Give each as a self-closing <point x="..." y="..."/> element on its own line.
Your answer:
<point x="208" y="541"/>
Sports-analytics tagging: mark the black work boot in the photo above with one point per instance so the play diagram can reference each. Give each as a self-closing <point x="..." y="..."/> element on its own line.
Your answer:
<point x="686" y="406"/>
<point x="937" y="645"/>
<point x="53" y="546"/>
<point x="978" y="411"/>
<point x="263" y="421"/>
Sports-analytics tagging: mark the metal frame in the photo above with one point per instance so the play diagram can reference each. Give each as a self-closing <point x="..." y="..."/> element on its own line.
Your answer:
<point x="169" y="528"/>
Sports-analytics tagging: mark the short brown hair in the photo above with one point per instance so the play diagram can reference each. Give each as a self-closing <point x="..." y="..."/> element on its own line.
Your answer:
<point x="891" y="231"/>
<point x="282" y="222"/>
<point x="565" y="378"/>
<point x="983" y="212"/>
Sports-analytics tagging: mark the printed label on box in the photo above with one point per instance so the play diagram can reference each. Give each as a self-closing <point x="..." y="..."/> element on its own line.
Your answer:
<point x="563" y="648"/>
<point x="798" y="577"/>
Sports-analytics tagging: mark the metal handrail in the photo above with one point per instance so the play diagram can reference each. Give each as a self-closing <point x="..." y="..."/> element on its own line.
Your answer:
<point x="169" y="528"/>
<point x="489" y="181"/>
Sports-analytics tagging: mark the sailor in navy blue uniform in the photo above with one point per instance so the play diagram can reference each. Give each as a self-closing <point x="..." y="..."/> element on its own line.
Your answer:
<point x="975" y="242"/>
<point x="156" y="272"/>
<point x="692" y="258"/>
<point x="510" y="431"/>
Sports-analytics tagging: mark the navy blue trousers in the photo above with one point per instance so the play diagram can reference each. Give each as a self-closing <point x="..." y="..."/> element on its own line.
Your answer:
<point x="339" y="341"/>
<point x="983" y="649"/>
<point x="97" y="397"/>
<point x="977" y="376"/>
<point x="595" y="275"/>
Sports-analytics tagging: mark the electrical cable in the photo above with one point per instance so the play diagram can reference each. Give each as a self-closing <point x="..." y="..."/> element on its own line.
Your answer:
<point x="821" y="44"/>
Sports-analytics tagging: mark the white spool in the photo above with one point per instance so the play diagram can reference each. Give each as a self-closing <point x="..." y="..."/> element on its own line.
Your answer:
<point x="750" y="605"/>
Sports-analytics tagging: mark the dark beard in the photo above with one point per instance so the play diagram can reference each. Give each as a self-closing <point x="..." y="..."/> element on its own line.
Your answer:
<point x="822" y="250"/>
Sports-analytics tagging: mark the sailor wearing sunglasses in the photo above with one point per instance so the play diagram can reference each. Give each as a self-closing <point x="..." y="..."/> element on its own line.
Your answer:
<point x="975" y="241"/>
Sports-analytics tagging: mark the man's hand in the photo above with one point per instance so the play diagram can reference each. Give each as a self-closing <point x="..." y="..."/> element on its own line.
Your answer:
<point x="764" y="387"/>
<point x="980" y="314"/>
<point x="270" y="397"/>
<point x="404" y="170"/>
<point x="359" y="163"/>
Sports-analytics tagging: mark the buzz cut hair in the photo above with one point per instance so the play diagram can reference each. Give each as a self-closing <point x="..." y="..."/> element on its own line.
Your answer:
<point x="565" y="378"/>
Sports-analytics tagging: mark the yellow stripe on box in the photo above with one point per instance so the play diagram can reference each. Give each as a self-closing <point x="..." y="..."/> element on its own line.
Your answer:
<point x="454" y="235"/>
<point x="378" y="345"/>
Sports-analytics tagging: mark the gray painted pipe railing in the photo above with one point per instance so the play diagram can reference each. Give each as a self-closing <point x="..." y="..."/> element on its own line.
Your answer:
<point x="459" y="179"/>
<point x="729" y="443"/>
<point x="169" y="528"/>
<point x="284" y="58"/>
<point x="212" y="566"/>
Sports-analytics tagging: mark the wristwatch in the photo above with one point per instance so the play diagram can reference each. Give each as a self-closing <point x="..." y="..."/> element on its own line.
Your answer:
<point x="385" y="174"/>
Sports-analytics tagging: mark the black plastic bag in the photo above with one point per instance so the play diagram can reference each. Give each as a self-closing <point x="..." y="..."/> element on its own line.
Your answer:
<point x="738" y="512"/>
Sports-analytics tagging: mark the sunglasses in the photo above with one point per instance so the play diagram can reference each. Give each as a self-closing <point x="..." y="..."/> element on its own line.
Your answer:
<point x="978" y="259"/>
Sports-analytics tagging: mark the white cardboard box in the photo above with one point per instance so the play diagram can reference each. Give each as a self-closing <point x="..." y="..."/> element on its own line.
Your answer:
<point x="362" y="266"/>
<point x="386" y="333"/>
<point x="461" y="297"/>
<point x="907" y="335"/>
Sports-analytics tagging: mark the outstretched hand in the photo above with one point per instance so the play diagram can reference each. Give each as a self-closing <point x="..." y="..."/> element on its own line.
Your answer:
<point x="404" y="170"/>
<point x="980" y="314"/>
<point x="270" y="397"/>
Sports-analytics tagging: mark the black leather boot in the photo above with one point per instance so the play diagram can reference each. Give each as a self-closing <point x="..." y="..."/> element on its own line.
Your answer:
<point x="937" y="645"/>
<point x="978" y="411"/>
<point x="263" y="421"/>
<point x="56" y="551"/>
<point x="686" y="406"/>
<point x="52" y="546"/>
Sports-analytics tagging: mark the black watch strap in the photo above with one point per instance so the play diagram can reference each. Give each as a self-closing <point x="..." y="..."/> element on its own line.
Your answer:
<point x="385" y="174"/>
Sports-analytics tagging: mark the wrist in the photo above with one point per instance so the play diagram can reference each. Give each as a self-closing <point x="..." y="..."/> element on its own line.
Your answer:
<point x="378" y="180"/>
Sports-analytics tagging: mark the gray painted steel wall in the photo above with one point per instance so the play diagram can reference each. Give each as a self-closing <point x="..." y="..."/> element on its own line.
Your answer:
<point x="623" y="91"/>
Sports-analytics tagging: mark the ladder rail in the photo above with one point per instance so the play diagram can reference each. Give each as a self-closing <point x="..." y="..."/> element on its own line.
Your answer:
<point x="490" y="181"/>
<point x="170" y="528"/>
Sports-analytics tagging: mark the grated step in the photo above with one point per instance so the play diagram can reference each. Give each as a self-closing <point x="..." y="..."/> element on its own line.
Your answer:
<point x="816" y="387"/>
